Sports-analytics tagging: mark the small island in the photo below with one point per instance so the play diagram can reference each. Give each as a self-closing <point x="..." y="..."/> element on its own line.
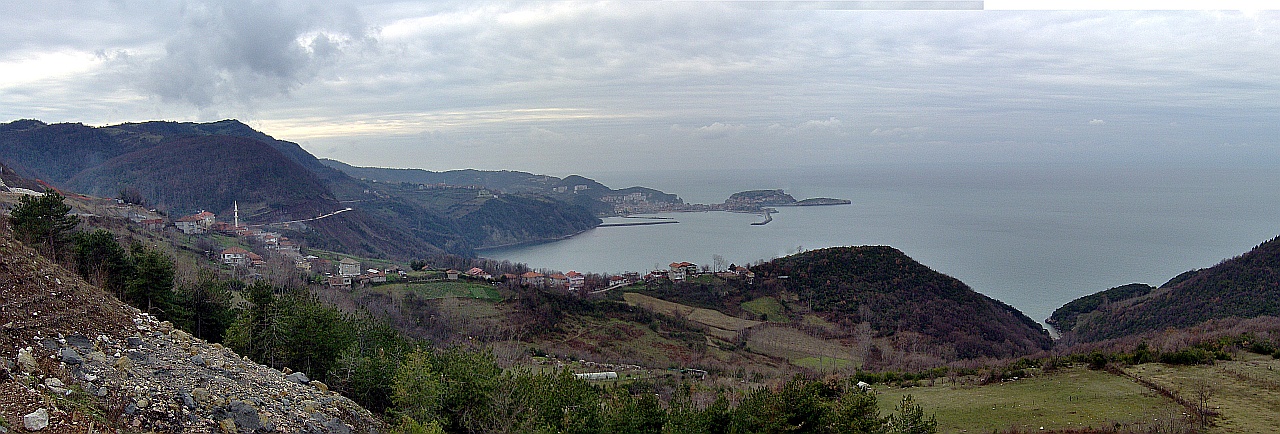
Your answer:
<point x="753" y="200"/>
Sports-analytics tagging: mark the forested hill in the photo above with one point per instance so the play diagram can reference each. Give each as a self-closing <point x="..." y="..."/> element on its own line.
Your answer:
<point x="209" y="172"/>
<point x="182" y="168"/>
<point x="575" y="189"/>
<point x="1246" y="286"/>
<point x="882" y="286"/>
<point x="504" y="180"/>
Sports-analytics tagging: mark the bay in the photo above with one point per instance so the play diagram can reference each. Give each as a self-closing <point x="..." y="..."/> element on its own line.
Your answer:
<point x="1034" y="237"/>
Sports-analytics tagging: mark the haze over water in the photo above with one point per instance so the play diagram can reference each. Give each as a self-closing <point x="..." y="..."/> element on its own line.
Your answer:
<point x="1033" y="237"/>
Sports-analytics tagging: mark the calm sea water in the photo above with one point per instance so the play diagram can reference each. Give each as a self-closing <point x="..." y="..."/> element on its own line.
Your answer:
<point x="1033" y="237"/>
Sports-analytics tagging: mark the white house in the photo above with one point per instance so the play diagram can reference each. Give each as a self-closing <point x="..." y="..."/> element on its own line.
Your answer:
<point x="348" y="267"/>
<point x="682" y="270"/>
<point x="235" y="256"/>
<point x="576" y="280"/>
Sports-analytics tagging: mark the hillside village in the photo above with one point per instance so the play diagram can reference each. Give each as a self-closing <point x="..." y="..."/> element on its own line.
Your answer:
<point x="346" y="272"/>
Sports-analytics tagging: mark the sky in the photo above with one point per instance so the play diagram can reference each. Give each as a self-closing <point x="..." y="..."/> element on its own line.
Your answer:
<point x="585" y="87"/>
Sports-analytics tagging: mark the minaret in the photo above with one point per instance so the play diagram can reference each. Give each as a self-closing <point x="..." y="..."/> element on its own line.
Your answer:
<point x="236" y="204"/>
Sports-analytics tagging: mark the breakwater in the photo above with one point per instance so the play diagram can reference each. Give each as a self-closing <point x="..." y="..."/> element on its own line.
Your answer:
<point x="649" y="223"/>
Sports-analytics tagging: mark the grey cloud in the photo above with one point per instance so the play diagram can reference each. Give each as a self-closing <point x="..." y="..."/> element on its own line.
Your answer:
<point x="237" y="51"/>
<point x="547" y="78"/>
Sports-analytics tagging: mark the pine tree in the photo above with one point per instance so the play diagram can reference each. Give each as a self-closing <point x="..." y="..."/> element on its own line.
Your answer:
<point x="150" y="287"/>
<point x="43" y="222"/>
<point x="101" y="261"/>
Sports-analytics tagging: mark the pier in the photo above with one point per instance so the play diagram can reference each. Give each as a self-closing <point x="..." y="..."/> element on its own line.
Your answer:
<point x="768" y="217"/>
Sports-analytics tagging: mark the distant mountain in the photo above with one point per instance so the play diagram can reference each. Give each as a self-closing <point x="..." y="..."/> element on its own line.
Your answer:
<point x="502" y="180"/>
<point x="186" y="167"/>
<point x="1245" y="286"/>
<point x="574" y="189"/>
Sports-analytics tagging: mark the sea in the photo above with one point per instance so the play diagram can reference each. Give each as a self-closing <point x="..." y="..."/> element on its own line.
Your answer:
<point x="1032" y="236"/>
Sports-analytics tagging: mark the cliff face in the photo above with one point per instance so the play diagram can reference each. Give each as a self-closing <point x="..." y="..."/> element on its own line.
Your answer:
<point x="76" y="359"/>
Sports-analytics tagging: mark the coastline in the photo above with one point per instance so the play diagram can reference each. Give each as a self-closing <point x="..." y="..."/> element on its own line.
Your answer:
<point x="532" y="242"/>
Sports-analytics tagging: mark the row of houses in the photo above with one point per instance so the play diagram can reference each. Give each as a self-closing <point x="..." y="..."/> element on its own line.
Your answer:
<point x="681" y="271"/>
<point x="572" y="280"/>
<point x="348" y="271"/>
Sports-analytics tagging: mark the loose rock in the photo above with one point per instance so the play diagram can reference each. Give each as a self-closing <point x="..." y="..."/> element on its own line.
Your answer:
<point x="27" y="362"/>
<point x="36" y="420"/>
<point x="71" y="357"/>
<point x="298" y="377"/>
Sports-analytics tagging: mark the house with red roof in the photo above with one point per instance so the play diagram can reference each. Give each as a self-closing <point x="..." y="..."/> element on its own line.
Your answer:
<point x="576" y="280"/>
<point x="682" y="270"/>
<point x="197" y="223"/>
<point x="533" y="278"/>
<point x="235" y="256"/>
<point x="479" y="273"/>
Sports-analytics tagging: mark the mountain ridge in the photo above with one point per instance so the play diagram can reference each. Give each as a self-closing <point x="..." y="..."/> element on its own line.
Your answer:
<point x="186" y="167"/>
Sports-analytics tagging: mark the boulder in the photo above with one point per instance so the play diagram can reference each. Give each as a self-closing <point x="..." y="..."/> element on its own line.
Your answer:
<point x="245" y="416"/>
<point x="71" y="357"/>
<point x="36" y="420"/>
<point x="125" y="364"/>
<point x="26" y="361"/>
<point x="80" y="341"/>
<point x="298" y="377"/>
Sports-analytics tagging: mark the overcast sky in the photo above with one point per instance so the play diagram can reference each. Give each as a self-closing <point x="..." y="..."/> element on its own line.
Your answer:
<point x="581" y="87"/>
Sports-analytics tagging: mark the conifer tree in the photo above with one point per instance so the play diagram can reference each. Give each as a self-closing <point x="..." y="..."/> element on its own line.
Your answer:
<point x="43" y="222"/>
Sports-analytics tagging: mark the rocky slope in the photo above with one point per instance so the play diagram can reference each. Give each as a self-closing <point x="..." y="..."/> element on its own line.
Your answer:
<point x="75" y="359"/>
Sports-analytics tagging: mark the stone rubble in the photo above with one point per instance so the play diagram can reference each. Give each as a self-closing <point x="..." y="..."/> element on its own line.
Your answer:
<point x="162" y="379"/>
<point x="77" y="360"/>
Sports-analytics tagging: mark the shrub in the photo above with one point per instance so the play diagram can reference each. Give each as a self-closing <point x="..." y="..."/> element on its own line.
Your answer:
<point x="1188" y="356"/>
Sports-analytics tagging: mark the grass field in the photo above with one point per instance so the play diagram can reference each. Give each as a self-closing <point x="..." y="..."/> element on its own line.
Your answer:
<point x="1246" y="391"/>
<point x="1071" y="398"/>
<point x="450" y="289"/>
<point x="823" y="364"/>
<point x="801" y="349"/>
<point x="768" y="308"/>
<point x="696" y="314"/>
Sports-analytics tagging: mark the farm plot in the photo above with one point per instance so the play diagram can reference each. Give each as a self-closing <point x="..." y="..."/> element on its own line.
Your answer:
<point x="1074" y="398"/>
